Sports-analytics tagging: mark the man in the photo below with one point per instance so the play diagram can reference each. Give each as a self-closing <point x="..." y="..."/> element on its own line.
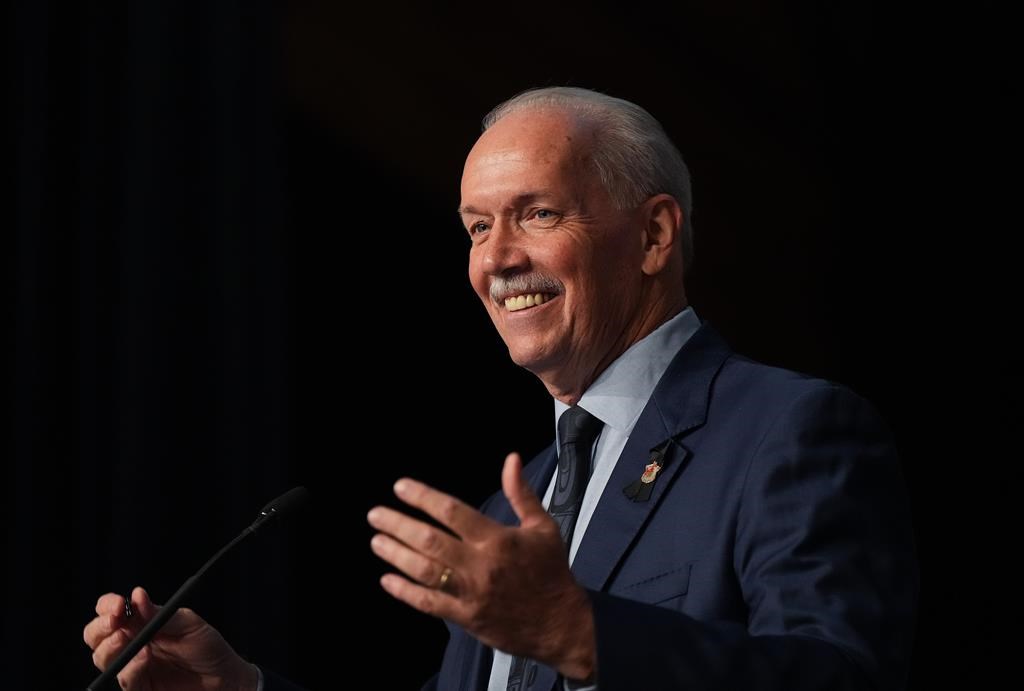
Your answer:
<point x="728" y="525"/>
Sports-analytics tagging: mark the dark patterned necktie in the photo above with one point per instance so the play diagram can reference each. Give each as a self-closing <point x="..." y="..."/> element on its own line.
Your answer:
<point x="577" y="430"/>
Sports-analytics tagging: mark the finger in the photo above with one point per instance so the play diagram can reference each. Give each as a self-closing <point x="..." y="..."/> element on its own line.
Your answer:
<point x="143" y="610"/>
<point x="427" y="600"/>
<point x="520" y="495"/>
<point x="183" y="621"/>
<point x="111" y="603"/>
<point x="425" y="539"/>
<point x="408" y="561"/>
<point x="462" y="518"/>
<point x="109" y="648"/>
<point x="130" y="678"/>
<point x="98" y="629"/>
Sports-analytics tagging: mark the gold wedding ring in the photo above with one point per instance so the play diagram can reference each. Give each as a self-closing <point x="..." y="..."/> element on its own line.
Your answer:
<point x="445" y="575"/>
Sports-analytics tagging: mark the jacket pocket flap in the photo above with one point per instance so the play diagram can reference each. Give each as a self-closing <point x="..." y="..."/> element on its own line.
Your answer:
<point x="661" y="587"/>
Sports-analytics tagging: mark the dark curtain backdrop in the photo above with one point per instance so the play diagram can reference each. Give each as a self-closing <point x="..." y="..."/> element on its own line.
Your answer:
<point x="232" y="256"/>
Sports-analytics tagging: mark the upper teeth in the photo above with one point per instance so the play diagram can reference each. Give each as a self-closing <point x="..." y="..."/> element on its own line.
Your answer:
<point x="520" y="302"/>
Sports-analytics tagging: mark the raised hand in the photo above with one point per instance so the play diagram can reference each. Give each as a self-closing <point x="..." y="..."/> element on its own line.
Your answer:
<point x="510" y="587"/>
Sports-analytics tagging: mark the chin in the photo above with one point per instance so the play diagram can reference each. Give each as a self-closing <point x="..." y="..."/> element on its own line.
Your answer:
<point x="521" y="357"/>
<point x="533" y="359"/>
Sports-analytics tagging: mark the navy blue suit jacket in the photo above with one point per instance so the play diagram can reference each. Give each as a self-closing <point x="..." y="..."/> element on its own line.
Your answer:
<point x="775" y="551"/>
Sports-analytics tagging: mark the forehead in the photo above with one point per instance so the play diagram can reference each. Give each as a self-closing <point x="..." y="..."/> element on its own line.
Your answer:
<point x="532" y="131"/>
<point x="532" y="147"/>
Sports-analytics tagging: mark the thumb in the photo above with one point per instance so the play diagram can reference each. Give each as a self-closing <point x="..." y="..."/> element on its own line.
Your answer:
<point x="183" y="620"/>
<point x="142" y="604"/>
<point x="519" y="494"/>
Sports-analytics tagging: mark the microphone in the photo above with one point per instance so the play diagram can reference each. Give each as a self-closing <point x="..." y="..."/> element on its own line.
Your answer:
<point x="287" y="503"/>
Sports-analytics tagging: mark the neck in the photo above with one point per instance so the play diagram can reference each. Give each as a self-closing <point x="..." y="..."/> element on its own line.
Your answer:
<point x="569" y="383"/>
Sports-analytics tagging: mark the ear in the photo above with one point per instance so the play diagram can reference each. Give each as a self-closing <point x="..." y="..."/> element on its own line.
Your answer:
<point x="663" y="221"/>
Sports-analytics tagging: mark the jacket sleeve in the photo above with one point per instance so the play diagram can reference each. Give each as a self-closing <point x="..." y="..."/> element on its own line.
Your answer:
<point x="825" y="560"/>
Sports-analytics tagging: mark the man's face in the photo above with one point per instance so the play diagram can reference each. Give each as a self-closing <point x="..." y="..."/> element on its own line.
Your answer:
<point x="542" y="224"/>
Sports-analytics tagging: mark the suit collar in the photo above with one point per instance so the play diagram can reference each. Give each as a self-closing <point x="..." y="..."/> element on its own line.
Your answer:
<point x="683" y="395"/>
<point x="618" y="395"/>
<point x="679" y="405"/>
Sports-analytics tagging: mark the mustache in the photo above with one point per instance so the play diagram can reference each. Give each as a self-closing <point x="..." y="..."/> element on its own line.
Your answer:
<point x="503" y="286"/>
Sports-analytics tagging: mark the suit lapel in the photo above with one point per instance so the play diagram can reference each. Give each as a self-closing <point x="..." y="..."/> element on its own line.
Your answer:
<point x="679" y="404"/>
<point x="538" y="474"/>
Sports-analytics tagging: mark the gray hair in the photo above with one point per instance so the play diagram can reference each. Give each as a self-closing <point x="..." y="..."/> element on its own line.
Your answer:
<point x="634" y="157"/>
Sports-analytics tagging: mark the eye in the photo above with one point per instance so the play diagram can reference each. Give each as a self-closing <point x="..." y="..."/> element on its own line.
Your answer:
<point x="544" y="217"/>
<point x="477" y="228"/>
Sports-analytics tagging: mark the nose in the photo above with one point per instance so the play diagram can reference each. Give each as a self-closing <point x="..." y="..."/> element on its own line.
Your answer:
<point x="505" y="250"/>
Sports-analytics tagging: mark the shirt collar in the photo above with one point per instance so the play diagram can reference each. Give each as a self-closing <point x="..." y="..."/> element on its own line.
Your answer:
<point x="621" y="391"/>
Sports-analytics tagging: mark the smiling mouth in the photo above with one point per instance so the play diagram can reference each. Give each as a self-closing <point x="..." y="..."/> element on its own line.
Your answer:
<point x="521" y="302"/>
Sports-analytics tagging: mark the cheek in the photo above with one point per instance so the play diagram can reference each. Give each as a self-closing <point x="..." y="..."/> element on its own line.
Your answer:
<point x="477" y="279"/>
<point x="604" y="288"/>
<point x="619" y="263"/>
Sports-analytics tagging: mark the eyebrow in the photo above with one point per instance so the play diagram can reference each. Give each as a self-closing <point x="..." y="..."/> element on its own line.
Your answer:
<point x="518" y="201"/>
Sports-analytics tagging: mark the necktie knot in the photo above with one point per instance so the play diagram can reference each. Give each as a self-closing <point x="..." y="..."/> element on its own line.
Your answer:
<point x="577" y="426"/>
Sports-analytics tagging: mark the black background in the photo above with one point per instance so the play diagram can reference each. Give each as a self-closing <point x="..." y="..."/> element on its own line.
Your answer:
<point x="232" y="255"/>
